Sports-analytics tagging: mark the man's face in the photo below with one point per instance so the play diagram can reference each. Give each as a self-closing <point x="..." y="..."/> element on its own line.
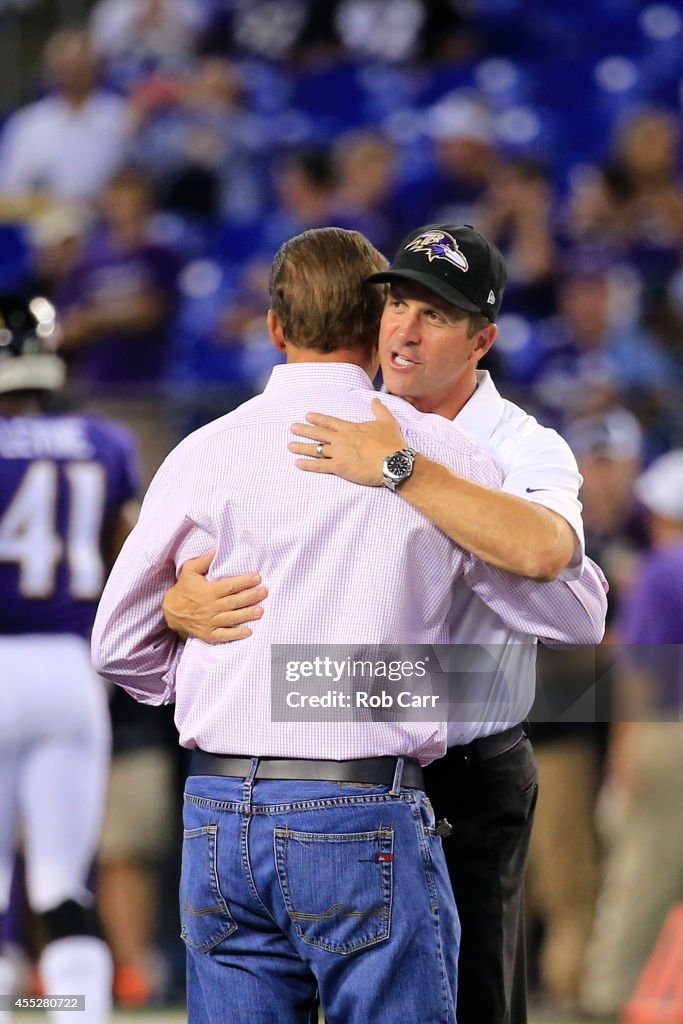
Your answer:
<point x="607" y="490"/>
<point x="425" y="350"/>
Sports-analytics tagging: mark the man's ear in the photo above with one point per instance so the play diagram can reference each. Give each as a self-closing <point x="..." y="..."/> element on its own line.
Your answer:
<point x="483" y="341"/>
<point x="275" y="332"/>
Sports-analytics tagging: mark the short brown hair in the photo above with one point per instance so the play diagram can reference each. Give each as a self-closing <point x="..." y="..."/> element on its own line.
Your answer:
<point x="478" y="322"/>
<point x="319" y="293"/>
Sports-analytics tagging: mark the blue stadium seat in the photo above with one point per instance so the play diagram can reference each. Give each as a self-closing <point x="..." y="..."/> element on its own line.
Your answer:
<point x="332" y="96"/>
<point x="233" y="243"/>
<point x="16" y="256"/>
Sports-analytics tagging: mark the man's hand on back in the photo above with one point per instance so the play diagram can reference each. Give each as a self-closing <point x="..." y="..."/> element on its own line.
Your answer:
<point x="215" y="612"/>
<point x="354" y="451"/>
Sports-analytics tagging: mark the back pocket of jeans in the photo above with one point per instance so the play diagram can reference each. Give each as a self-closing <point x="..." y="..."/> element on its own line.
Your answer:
<point x="337" y="888"/>
<point x="204" y="916"/>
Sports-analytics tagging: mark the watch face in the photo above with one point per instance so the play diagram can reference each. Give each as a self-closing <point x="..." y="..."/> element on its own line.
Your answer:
<point x="399" y="464"/>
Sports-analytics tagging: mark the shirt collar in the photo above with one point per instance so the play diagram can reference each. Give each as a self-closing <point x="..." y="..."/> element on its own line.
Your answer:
<point x="344" y="375"/>
<point x="480" y="416"/>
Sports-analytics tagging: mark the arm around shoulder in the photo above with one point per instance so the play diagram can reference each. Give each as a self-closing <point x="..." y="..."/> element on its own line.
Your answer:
<point x="502" y="529"/>
<point x="131" y="644"/>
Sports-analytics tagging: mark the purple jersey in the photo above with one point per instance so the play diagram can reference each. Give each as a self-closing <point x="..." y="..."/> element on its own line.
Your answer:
<point x="110" y="280"/>
<point x="651" y="619"/>
<point x="63" y="480"/>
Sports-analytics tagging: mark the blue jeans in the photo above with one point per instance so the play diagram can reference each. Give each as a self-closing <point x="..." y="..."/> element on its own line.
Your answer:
<point x="292" y="888"/>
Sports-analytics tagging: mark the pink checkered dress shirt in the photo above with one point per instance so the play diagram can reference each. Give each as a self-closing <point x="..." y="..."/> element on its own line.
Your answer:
<point x="344" y="565"/>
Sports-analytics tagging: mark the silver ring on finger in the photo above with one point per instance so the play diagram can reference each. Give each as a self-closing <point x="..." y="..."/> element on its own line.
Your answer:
<point x="320" y="448"/>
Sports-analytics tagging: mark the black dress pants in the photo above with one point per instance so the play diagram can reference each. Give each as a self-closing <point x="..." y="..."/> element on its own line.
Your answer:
<point x="490" y="804"/>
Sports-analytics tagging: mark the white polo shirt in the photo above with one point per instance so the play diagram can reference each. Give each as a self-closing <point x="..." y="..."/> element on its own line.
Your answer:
<point x="537" y="462"/>
<point x="72" y="153"/>
<point x="499" y="681"/>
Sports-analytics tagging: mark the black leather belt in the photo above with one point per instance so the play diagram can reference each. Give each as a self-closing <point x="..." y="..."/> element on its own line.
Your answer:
<point x="375" y="771"/>
<point x="488" y="747"/>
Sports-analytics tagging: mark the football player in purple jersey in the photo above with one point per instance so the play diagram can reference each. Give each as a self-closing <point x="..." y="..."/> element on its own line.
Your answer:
<point x="66" y="481"/>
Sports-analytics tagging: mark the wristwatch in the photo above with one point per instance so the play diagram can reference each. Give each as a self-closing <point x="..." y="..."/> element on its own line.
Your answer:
<point x="398" y="467"/>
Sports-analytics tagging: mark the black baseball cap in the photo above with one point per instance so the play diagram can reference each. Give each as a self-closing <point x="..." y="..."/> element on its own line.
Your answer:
<point x="454" y="261"/>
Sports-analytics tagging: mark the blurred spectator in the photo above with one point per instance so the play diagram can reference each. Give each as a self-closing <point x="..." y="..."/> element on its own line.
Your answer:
<point x="366" y="172"/>
<point x="644" y="871"/>
<point x="117" y="307"/>
<point x="68" y="144"/>
<point x="404" y="30"/>
<point x="380" y="31"/>
<point x="271" y="29"/>
<point x="586" y="358"/>
<point x="54" y="724"/>
<point x="117" y="303"/>
<point x="648" y="147"/>
<point x="596" y="212"/>
<point x="644" y="175"/>
<point x="562" y="874"/>
<point x="609" y="451"/>
<point x="664" y="316"/>
<point x="320" y="30"/>
<point x="135" y="37"/>
<point x="57" y="237"/>
<point x="563" y="860"/>
<point x="225" y="353"/>
<point x="305" y="181"/>
<point x="515" y="212"/>
<point x="447" y="33"/>
<point x="634" y="202"/>
<point x="203" y="149"/>
<point x="136" y="840"/>
<point x="463" y="166"/>
<point x="212" y="368"/>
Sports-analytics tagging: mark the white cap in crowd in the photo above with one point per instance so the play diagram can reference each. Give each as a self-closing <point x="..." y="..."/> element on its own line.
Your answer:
<point x="461" y="115"/>
<point x="614" y="435"/>
<point x="660" y="487"/>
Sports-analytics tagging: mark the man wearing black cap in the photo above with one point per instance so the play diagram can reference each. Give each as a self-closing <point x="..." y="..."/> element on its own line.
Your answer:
<point x="446" y="286"/>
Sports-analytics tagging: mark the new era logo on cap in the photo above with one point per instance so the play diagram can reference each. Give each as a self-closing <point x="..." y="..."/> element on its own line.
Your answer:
<point x="455" y="262"/>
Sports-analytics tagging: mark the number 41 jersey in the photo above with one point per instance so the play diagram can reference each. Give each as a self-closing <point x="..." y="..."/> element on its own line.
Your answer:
<point x="63" y="480"/>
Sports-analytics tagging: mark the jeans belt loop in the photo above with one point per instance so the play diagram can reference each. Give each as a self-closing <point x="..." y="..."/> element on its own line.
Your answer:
<point x="398" y="774"/>
<point x="249" y="783"/>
